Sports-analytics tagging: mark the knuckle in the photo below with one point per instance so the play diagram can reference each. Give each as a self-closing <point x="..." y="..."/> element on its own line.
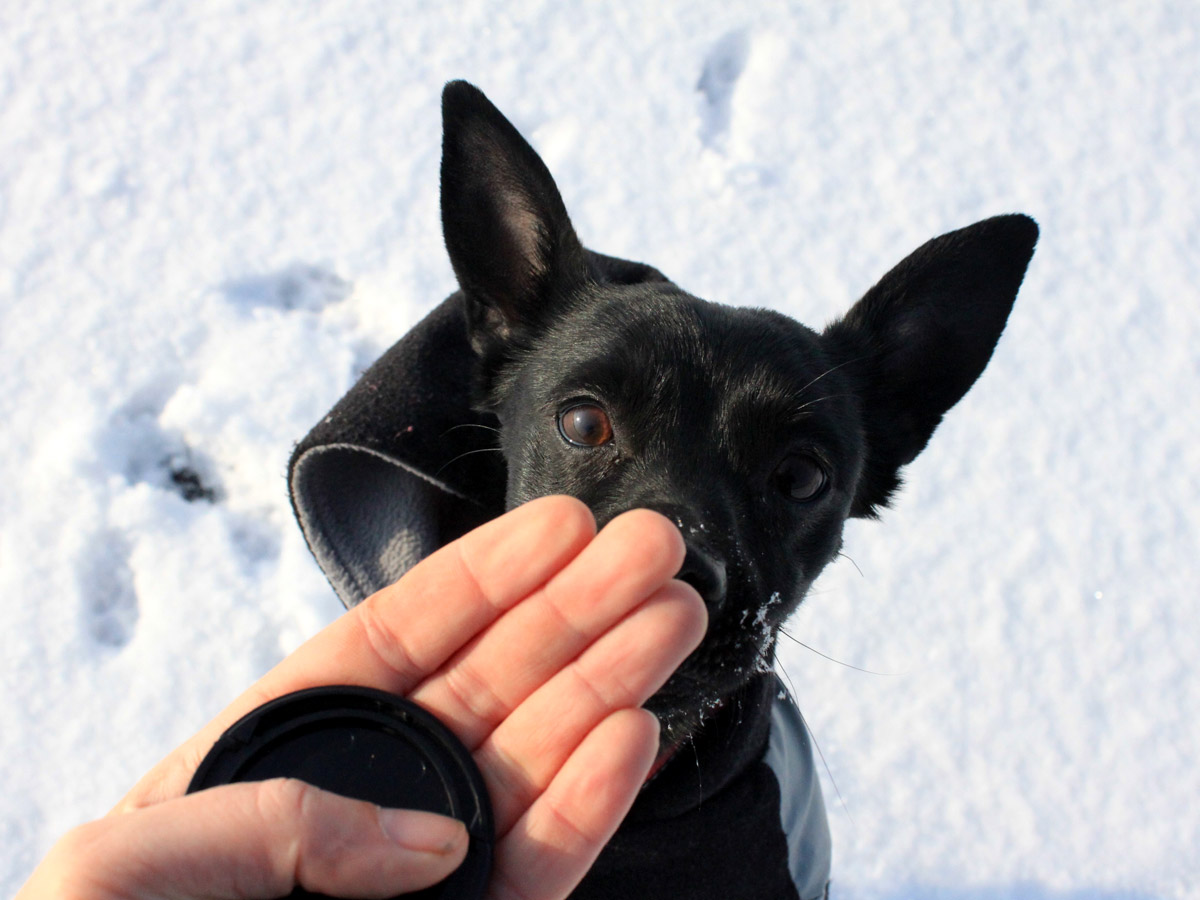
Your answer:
<point x="606" y="689"/>
<point x="283" y="799"/>
<point x="281" y="804"/>
<point x="472" y="693"/>
<point x="384" y="643"/>
<point x="568" y="833"/>
<point x="471" y="568"/>
<point x="557" y="608"/>
<point x="317" y="834"/>
<point x="510" y="778"/>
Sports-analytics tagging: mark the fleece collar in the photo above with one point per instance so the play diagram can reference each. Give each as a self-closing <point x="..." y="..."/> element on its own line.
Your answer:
<point x="395" y="469"/>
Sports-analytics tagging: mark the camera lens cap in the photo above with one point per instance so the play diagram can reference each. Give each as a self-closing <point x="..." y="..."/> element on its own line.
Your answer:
<point x="370" y="745"/>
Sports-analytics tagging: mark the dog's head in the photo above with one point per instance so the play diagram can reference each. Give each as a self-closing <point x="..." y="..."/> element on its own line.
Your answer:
<point x="757" y="435"/>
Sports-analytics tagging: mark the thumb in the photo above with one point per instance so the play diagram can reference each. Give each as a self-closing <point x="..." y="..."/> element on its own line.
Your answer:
<point x="252" y="840"/>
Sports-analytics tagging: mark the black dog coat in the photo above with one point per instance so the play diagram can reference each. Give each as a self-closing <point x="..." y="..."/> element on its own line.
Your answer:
<point x="391" y="474"/>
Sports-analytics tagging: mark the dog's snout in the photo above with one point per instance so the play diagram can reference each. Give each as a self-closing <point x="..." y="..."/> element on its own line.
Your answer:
<point x="706" y="574"/>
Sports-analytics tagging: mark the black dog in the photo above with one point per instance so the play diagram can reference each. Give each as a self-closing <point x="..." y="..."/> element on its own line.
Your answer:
<point x="757" y="435"/>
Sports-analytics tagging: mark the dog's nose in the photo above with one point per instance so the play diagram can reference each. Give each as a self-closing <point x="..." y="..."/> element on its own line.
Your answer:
<point x="706" y="574"/>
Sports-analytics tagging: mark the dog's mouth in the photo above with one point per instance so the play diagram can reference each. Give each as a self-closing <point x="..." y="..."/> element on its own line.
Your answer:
<point x="670" y="746"/>
<point x="665" y="755"/>
<point x="682" y="706"/>
<point x="722" y="665"/>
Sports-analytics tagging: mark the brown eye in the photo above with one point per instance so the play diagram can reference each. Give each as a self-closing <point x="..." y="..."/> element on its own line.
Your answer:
<point x="585" y="425"/>
<point x="800" y="478"/>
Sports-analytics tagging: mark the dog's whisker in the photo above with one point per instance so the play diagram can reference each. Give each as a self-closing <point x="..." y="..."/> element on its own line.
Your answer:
<point x="794" y="639"/>
<point x="470" y="425"/>
<point x="816" y="400"/>
<point x="791" y="690"/>
<point x="830" y="371"/>
<point x="467" y="453"/>
<point x="852" y="562"/>
<point x="837" y="790"/>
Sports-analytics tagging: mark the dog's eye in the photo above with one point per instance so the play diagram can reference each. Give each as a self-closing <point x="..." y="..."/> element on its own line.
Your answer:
<point x="585" y="425"/>
<point x="800" y="478"/>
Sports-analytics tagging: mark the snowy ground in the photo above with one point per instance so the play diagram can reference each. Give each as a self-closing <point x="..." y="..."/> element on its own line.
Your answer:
<point x="213" y="215"/>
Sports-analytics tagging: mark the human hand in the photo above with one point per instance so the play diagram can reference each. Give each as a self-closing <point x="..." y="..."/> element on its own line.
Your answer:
<point x="534" y="639"/>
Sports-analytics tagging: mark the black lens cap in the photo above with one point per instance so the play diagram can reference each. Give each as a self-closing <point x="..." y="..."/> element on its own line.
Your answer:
<point x="369" y="745"/>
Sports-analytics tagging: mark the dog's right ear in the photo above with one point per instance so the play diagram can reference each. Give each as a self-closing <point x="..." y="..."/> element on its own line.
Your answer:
<point x="507" y="231"/>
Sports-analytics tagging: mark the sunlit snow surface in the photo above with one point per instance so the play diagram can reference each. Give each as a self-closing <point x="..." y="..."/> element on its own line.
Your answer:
<point x="213" y="215"/>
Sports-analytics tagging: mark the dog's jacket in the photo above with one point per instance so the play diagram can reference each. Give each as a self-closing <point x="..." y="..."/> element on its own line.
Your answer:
<point x="396" y="470"/>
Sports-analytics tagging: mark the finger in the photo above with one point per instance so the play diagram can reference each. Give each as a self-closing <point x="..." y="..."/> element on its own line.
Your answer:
<point x="619" y="671"/>
<point x="635" y="555"/>
<point x="555" y="842"/>
<point x="256" y="839"/>
<point x="399" y="635"/>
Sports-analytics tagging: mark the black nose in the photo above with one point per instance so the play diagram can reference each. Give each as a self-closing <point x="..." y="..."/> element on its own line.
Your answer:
<point x="706" y="574"/>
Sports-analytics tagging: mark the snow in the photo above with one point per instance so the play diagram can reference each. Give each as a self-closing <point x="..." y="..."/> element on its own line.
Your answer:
<point x="212" y="216"/>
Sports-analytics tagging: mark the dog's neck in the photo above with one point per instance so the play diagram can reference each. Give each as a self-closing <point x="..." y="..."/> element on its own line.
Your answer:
<point x="732" y="739"/>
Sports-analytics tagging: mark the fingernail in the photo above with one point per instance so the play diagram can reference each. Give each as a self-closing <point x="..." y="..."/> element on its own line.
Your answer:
<point x="422" y="832"/>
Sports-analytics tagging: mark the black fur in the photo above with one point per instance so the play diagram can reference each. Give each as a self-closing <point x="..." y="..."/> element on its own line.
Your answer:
<point x="716" y="412"/>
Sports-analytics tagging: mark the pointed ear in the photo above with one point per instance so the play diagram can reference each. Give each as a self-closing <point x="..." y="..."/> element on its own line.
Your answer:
<point x="916" y="342"/>
<point x="507" y="232"/>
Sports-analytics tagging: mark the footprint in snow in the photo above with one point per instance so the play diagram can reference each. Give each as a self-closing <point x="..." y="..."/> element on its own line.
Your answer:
<point x="110" y="603"/>
<point x="188" y="479"/>
<point x="722" y="68"/>
<point x="137" y="445"/>
<point x="299" y="286"/>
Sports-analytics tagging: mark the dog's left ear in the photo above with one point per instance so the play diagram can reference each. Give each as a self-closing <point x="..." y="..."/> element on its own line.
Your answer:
<point x="507" y="231"/>
<point x="916" y="342"/>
